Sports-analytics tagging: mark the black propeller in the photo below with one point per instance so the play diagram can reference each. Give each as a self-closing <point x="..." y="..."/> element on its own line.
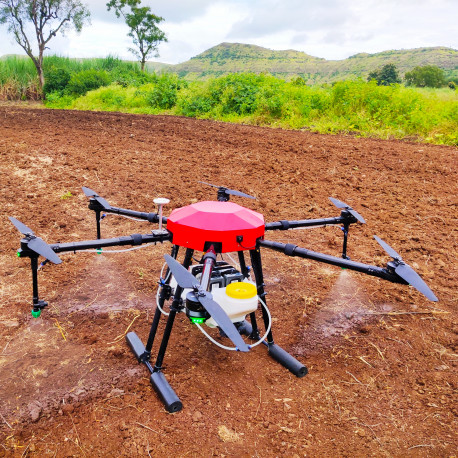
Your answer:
<point x="186" y="280"/>
<point x="36" y="244"/>
<point x="90" y="193"/>
<point x="406" y="272"/>
<point x="228" y="191"/>
<point x="344" y="206"/>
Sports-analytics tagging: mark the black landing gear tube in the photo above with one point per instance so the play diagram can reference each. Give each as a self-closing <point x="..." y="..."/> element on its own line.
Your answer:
<point x="276" y="352"/>
<point x="143" y="354"/>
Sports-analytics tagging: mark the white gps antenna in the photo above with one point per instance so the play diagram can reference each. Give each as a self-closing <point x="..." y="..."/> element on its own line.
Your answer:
<point x="160" y="202"/>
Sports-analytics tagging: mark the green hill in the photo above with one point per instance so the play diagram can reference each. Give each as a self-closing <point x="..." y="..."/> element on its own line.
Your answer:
<point x="228" y="58"/>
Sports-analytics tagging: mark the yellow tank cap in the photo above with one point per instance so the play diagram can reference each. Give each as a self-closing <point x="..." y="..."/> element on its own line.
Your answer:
<point x="241" y="290"/>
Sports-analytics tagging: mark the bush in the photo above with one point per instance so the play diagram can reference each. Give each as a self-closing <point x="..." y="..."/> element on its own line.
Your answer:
<point x="82" y="82"/>
<point x="269" y="103"/>
<point x="57" y="100"/>
<point x="298" y="81"/>
<point x="238" y="93"/>
<point x="196" y="102"/>
<point x="385" y="76"/>
<point x="426" y="76"/>
<point x="135" y="77"/>
<point x="165" y="92"/>
<point x="56" y="80"/>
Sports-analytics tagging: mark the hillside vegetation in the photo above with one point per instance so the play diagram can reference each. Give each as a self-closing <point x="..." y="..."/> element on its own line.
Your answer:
<point x="229" y="58"/>
<point x="350" y="106"/>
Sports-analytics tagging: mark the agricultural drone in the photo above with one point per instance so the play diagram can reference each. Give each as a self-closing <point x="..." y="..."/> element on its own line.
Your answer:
<point x="212" y="291"/>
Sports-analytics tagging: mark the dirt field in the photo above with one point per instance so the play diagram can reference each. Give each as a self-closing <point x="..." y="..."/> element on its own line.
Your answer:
<point x="382" y="359"/>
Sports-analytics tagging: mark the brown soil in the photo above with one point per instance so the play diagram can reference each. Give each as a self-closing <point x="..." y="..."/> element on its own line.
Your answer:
<point x="382" y="359"/>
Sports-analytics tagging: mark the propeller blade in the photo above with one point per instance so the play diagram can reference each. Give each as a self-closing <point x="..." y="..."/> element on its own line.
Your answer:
<point x="410" y="276"/>
<point x="232" y="192"/>
<point x="388" y="249"/>
<point x="339" y="204"/>
<point x="186" y="280"/>
<point x="209" y="184"/>
<point x="406" y="272"/>
<point x="183" y="277"/>
<point x="90" y="193"/>
<point x="36" y="244"/>
<point x="21" y="227"/>
<point x="238" y="193"/>
<point x="357" y="216"/>
<point x="223" y="321"/>
<point x="41" y="247"/>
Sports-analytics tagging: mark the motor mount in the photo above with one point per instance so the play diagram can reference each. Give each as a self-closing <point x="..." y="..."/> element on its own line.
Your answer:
<point x="194" y="310"/>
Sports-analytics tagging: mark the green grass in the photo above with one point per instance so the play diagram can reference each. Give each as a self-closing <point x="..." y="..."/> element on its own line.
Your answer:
<point x="115" y="98"/>
<point x="19" y="80"/>
<point x="357" y="107"/>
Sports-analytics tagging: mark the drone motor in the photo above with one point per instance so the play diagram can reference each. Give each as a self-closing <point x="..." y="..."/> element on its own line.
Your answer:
<point x="194" y="309"/>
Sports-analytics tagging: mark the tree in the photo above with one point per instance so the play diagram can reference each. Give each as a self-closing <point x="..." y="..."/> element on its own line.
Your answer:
<point x="43" y="20"/>
<point x="426" y="76"/>
<point x="385" y="76"/>
<point x="142" y="23"/>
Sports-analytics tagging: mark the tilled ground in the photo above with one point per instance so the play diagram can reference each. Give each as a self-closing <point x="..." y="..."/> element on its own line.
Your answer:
<point x="382" y="359"/>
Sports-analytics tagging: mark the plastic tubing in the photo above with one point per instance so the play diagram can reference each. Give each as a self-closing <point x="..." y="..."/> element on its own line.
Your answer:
<point x="237" y="265"/>
<point x="159" y="289"/>
<point x="209" y="337"/>
<point x="157" y="303"/>
<point x="117" y="251"/>
<point x="224" y="347"/>
<point x="106" y="251"/>
<point x="132" y="218"/>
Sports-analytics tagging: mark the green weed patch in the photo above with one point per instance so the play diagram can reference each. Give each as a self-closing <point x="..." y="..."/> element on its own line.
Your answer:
<point x="357" y="107"/>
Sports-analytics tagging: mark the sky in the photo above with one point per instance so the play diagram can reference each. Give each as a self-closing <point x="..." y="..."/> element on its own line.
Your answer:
<point x="331" y="29"/>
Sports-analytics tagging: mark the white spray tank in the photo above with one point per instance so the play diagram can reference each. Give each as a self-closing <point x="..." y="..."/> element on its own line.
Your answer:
<point x="237" y="299"/>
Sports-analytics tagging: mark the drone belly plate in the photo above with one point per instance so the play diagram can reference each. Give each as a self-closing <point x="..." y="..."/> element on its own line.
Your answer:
<point x="227" y="224"/>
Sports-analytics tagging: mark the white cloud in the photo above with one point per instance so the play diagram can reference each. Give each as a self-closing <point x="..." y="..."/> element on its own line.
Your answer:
<point x="334" y="29"/>
<point x="189" y="38"/>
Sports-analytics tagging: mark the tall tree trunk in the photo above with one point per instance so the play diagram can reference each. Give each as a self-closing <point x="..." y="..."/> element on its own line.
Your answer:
<point x="41" y="76"/>
<point x="39" y="66"/>
<point x="38" y="62"/>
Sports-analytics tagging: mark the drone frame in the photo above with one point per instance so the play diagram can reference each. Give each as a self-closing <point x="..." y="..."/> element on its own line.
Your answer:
<point x="143" y="353"/>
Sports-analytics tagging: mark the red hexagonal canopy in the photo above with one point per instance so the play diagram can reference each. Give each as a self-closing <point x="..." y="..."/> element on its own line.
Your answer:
<point x="198" y="225"/>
